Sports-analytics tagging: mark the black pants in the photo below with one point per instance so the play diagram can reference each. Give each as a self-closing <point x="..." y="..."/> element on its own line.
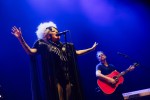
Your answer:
<point x="117" y="95"/>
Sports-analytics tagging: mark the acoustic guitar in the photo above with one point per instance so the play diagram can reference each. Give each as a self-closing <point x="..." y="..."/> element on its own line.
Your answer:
<point x="109" y="88"/>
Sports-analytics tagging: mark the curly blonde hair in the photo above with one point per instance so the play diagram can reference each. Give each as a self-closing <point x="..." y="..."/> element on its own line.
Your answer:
<point x="40" y="32"/>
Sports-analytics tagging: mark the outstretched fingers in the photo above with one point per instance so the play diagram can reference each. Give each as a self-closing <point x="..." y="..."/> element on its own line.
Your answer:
<point x="16" y="31"/>
<point x="95" y="43"/>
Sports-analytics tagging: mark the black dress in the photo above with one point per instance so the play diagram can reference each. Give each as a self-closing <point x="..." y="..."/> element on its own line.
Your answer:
<point x="54" y="63"/>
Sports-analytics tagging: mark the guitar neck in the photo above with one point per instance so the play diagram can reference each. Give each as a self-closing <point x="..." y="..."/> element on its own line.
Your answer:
<point x="122" y="73"/>
<point x="127" y="70"/>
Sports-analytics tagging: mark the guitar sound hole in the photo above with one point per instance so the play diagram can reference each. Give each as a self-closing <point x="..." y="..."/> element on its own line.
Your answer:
<point x="115" y="78"/>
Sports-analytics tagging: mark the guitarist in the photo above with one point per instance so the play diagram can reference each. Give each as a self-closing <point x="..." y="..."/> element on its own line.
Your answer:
<point x="103" y="69"/>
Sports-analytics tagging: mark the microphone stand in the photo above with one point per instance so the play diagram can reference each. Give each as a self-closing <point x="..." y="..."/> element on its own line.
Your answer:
<point x="65" y="38"/>
<point x="75" y="71"/>
<point x="66" y="48"/>
<point x="129" y="58"/>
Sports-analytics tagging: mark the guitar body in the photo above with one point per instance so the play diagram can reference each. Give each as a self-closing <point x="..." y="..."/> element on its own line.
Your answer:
<point x="108" y="88"/>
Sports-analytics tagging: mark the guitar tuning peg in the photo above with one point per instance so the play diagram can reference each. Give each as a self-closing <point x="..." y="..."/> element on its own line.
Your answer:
<point x="136" y="64"/>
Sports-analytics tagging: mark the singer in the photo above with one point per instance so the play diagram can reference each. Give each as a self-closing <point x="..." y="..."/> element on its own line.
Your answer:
<point x="54" y="67"/>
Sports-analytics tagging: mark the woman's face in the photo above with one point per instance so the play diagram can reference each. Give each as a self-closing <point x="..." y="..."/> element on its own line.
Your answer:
<point x="52" y="34"/>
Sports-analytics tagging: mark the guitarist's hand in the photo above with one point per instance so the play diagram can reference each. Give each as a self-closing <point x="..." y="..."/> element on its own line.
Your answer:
<point x="112" y="81"/>
<point x="131" y="68"/>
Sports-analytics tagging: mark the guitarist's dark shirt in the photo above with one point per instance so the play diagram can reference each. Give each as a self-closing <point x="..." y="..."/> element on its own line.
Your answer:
<point x="105" y="70"/>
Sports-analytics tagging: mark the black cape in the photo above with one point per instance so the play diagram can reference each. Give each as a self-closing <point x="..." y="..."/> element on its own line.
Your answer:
<point x="44" y="71"/>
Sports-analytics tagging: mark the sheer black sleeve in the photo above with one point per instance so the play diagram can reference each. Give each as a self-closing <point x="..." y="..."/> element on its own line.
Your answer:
<point x="40" y="45"/>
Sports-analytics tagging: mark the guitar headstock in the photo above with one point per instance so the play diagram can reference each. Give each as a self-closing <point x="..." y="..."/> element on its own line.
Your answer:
<point x="132" y="67"/>
<point x="135" y="64"/>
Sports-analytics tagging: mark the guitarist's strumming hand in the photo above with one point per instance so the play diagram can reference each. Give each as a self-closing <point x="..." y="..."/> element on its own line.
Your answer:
<point x="112" y="81"/>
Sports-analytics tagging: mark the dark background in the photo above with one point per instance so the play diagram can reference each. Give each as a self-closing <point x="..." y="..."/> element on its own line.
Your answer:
<point x="117" y="25"/>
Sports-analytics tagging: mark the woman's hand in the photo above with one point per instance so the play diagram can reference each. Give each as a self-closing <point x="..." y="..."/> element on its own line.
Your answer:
<point x="94" y="46"/>
<point x="16" y="32"/>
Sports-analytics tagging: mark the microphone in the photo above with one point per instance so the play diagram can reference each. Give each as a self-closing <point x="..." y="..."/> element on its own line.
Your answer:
<point x="122" y="54"/>
<point x="63" y="32"/>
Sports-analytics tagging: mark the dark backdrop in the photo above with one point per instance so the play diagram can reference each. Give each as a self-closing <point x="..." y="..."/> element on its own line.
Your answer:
<point x="117" y="25"/>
